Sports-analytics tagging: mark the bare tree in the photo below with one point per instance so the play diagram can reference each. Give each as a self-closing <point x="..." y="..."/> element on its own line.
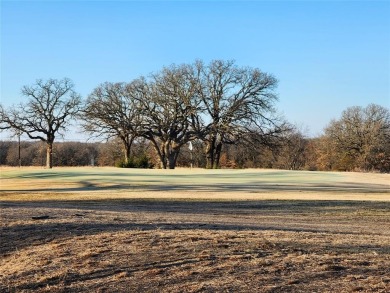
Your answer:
<point x="111" y="111"/>
<point x="168" y="102"/>
<point x="361" y="139"/>
<point x="50" y="106"/>
<point x="236" y="101"/>
<point x="292" y="154"/>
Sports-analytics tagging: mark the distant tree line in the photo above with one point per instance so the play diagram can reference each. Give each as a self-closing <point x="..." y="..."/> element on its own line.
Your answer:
<point x="359" y="140"/>
<point x="225" y="112"/>
<point x="66" y="153"/>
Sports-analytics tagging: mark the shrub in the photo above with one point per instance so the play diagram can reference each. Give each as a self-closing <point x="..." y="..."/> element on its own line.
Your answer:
<point x="141" y="161"/>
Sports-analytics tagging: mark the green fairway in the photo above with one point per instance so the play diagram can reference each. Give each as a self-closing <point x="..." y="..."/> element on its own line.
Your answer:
<point x="197" y="177"/>
<point x="199" y="181"/>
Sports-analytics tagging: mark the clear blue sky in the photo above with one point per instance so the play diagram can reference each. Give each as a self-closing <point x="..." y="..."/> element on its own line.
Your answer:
<point x="327" y="55"/>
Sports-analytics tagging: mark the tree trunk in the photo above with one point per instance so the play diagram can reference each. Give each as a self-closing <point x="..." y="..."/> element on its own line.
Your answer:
<point x="209" y="154"/>
<point x="159" y="149"/>
<point x="217" y="156"/>
<point x="163" y="160"/>
<point x="171" y="151"/>
<point x="164" y="154"/>
<point x="172" y="157"/>
<point x="171" y="161"/>
<point x="127" y="148"/>
<point x="49" y="155"/>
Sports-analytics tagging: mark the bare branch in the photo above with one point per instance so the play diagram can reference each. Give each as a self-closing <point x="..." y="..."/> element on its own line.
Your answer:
<point x="50" y="105"/>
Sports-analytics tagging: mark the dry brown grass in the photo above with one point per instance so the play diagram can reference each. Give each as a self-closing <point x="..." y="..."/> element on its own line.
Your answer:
<point x="186" y="242"/>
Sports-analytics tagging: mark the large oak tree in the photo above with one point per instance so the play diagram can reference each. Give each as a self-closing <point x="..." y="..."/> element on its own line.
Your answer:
<point x="50" y="106"/>
<point x="168" y="102"/>
<point x="112" y="112"/>
<point x="236" y="101"/>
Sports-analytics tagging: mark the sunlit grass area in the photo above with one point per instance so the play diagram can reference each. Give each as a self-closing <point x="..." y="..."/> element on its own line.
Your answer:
<point x="192" y="183"/>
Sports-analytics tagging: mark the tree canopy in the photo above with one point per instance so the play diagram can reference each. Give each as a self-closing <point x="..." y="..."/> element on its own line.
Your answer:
<point x="50" y="106"/>
<point x="360" y="139"/>
<point x="111" y="111"/>
<point x="217" y="103"/>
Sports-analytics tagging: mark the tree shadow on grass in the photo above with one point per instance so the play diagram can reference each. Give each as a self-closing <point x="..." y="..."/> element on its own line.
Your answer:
<point x="196" y="206"/>
<point x="18" y="237"/>
<point x="250" y="187"/>
<point x="72" y="218"/>
<point x="207" y="180"/>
